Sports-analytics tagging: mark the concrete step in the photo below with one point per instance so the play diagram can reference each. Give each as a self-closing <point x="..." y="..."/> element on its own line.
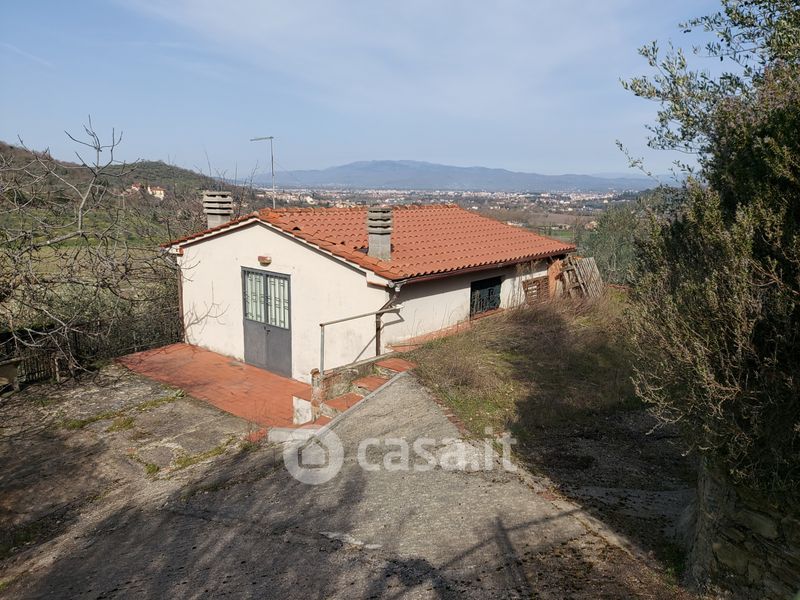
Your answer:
<point x="389" y="367"/>
<point x="340" y="404"/>
<point x="368" y="384"/>
<point x="296" y="434"/>
<point x="320" y="422"/>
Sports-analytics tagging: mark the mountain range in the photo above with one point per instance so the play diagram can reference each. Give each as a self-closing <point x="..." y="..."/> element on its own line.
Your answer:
<point x="415" y="175"/>
<point x="376" y="174"/>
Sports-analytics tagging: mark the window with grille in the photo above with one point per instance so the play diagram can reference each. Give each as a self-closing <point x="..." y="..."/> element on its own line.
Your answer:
<point x="266" y="299"/>
<point x="277" y="301"/>
<point x="254" y="301"/>
<point x="484" y="295"/>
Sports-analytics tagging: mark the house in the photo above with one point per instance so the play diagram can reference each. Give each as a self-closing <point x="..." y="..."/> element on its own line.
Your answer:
<point x="297" y="289"/>
<point x="157" y="192"/>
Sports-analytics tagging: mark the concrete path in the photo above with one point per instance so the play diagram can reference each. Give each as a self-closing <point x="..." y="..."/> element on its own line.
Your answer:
<point x="247" y="528"/>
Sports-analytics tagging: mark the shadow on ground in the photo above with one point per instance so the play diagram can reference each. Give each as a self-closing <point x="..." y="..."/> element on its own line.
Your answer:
<point x="558" y="377"/>
<point x="581" y="426"/>
<point x="240" y="525"/>
<point x="262" y="545"/>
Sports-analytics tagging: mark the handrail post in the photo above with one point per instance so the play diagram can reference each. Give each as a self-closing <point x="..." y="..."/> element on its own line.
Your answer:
<point x="321" y="348"/>
<point x="377" y="334"/>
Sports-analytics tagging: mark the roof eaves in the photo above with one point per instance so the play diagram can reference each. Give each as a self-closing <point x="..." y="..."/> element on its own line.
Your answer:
<point x="196" y="237"/>
<point x="484" y="266"/>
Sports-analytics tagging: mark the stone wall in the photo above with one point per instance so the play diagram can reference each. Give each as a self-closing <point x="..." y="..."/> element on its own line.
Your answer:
<point x="748" y="544"/>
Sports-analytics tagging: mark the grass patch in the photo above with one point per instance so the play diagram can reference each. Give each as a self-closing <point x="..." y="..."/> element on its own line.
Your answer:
<point x="528" y="368"/>
<point x="187" y="460"/>
<point x="4" y="583"/>
<point x="122" y="424"/>
<point x="122" y="421"/>
<point x="248" y="446"/>
<point x="673" y="557"/>
<point x="156" y="402"/>
<point x="149" y="468"/>
<point x="74" y="424"/>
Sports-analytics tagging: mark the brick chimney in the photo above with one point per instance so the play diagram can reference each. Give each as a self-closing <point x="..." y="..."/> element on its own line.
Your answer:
<point x="379" y="232"/>
<point x="218" y="207"/>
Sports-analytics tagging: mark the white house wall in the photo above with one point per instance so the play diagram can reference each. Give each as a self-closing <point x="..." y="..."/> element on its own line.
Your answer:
<point x="322" y="289"/>
<point x="440" y="303"/>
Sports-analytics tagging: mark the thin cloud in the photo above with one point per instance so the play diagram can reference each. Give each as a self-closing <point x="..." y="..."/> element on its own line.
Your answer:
<point x="31" y="57"/>
<point x="449" y="57"/>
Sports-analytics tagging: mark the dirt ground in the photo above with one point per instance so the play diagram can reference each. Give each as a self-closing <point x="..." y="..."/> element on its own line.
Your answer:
<point x="626" y="472"/>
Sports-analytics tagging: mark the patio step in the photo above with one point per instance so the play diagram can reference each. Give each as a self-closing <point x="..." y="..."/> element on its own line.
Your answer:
<point x="368" y="384"/>
<point x="340" y="404"/>
<point x="304" y="393"/>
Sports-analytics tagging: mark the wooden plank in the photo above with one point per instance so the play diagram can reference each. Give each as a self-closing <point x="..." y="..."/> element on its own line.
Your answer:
<point x="591" y="276"/>
<point x="582" y="277"/>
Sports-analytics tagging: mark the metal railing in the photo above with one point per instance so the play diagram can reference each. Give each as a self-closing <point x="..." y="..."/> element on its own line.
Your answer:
<point x="377" y="315"/>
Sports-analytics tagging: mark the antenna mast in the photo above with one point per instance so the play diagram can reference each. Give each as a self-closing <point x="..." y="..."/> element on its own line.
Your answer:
<point x="271" y="160"/>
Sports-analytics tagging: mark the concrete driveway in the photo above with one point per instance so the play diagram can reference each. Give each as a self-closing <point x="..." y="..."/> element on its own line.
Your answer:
<point x="242" y="526"/>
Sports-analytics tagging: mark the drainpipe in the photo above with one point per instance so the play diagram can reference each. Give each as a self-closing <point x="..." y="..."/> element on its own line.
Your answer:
<point x="378" y="318"/>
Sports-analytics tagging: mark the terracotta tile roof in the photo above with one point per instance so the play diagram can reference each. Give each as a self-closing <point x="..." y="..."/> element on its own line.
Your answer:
<point x="427" y="240"/>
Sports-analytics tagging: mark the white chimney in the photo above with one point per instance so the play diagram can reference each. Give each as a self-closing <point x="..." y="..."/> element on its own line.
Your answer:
<point x="218" y="207"/>
<point x="379" y="232"/>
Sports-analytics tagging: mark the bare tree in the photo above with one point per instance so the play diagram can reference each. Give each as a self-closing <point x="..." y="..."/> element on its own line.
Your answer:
<point x="81" y="271"/>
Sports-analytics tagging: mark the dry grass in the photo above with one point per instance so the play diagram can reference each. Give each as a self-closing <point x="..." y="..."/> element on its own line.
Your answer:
<point x="532" y="367"/>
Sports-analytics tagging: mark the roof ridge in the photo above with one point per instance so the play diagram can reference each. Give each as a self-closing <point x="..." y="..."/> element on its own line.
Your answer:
<point x="359" y="207"/>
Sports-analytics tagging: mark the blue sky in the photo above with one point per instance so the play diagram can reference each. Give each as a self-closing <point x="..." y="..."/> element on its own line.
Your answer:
<point x="530" y="85"/>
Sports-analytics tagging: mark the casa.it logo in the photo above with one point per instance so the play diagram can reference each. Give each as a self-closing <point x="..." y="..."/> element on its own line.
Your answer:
<point x="315" y="460"/>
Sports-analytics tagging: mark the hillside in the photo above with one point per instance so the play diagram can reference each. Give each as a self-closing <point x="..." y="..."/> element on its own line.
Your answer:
<point x="175" y="179"/>
<point x="408" y="174"/>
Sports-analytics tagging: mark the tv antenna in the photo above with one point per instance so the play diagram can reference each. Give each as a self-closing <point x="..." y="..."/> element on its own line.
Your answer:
<point x="271" y="160"/>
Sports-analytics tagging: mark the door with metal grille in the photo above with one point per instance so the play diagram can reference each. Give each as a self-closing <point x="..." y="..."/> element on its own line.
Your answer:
<point x="267" y="322"/>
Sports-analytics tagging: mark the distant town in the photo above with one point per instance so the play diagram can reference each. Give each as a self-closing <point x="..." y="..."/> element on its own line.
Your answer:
<point x="559" y="214"/>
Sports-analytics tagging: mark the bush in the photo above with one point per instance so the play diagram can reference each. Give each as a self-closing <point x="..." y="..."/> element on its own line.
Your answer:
<point x="715" y="317"/>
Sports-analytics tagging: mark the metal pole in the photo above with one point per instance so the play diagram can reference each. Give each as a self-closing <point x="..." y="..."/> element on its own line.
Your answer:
<point x="322" y="348"/>
<point x="272" y="160"/>
<point x="378" y="334"/>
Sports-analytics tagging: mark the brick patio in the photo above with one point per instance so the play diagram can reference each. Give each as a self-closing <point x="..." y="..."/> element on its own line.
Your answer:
<point x="237" y="388"/>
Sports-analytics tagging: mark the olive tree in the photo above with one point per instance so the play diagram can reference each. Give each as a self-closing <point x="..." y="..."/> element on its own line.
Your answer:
<point x="715" y="316"/>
